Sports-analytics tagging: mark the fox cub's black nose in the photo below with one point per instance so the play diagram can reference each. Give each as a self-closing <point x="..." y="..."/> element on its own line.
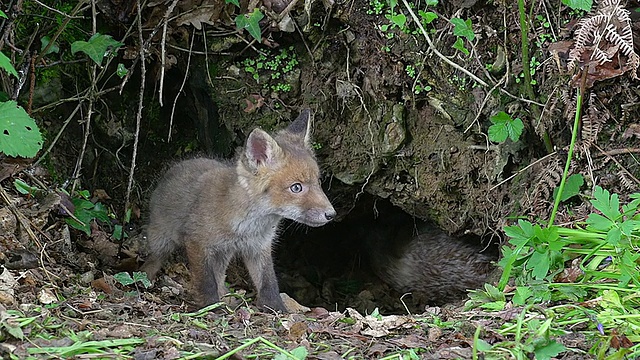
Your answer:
<point x="329" y="215"/>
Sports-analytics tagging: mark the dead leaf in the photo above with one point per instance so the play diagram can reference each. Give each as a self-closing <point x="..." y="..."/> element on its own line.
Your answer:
<point x="101" y="284"/>
<point x="198" y="16"/>
<point x="632" y="130"/>
<point x="254" y="102"/>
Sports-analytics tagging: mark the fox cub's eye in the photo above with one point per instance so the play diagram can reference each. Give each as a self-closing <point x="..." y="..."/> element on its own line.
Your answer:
<point x="295" y="188"/>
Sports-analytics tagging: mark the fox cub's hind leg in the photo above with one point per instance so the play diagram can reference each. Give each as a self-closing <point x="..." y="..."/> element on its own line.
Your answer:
<point x="259" y="263"/>
<point x="160" y="248"/>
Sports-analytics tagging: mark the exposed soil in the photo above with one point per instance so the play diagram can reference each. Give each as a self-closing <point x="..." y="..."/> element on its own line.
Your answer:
<point x="391" y="156"/>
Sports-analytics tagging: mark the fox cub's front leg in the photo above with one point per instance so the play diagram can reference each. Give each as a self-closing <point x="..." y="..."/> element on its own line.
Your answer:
<point x="208" y="268"/>
<point x="259" y="263"/>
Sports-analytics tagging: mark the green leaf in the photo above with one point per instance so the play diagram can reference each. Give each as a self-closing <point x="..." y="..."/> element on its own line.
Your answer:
<point x="399" y="20"/>
<point x="141" y="277"/>
<point x="432" y="2"/>
<point x="505" y="126"/>
<point x="300" y="353"/>
<point x="539" y="264"/>
<point x="463" y="28"/>
<point x="3" y="15"/>
<point x="117" y="232"/>
<point x="459" y="45"/>
<point x="44" y="42"/>
<point x="121" y="70"/>
<point x="5" y="63"/>
<point x="599" y="222"/>
<point x="552" y="349"/>
<point x="608" y="204"/>
<point x="123" y="278"/>
<point x="251" y="23"/>
<point x="571" y="187"/>
<point x="613" y="236"/>
<point x="19" y="134"/>
<point x="97" y="47"/>
<point x="521" y="295"/>
<point x="234" y="2"/>
<point x="482" y="345"/>
<point x="579" y="4"/>
<point x="427" y="16"/>
<point x="24" y="188"/>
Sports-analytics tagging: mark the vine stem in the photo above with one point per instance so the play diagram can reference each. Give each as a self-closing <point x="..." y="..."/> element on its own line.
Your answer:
<point x="574" y="136"/>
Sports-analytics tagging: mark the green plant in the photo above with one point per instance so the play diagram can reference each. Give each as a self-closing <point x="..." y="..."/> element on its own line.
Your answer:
<point x="19" y="134"/>
<point x="85" y="211"/>
<point x="462" y="29"/>
<point x="97" y="47"/>
<point x="271" y="69"/>
<point x="138" y="277"/>
<point x="504" y="126"/>
<point x="584" y="5"/>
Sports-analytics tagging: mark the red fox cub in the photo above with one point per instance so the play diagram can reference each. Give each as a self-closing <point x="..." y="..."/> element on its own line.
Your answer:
<point x="217" y="210"/>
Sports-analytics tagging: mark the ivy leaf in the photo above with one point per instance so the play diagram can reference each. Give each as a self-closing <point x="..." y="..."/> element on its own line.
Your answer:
<point x="463" y="28"/>
<point x="459" y="45"/>
<point x="5" y="63"/>
<point x="251" y="23"/>
<point x="579" y="4"/>
<point x="427" y="16"/>
<point x="141" y="276"/>
<point x="234" y="2"/>
<point x="432" y="2"/>
<point x="19" y="134"/>
<point x="123" y="278"/>
<point x="505" y="126"/>
<point x="44" y="42"/>
<point x="97" y="47"/>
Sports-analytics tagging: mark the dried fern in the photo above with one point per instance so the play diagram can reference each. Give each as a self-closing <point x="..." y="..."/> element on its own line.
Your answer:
<point x="593" y="121"/>
<point x="603" y="38"/>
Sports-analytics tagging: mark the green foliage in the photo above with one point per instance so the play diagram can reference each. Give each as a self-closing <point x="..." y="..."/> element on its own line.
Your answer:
<point x="85" y="211"/>
<point x="234" y="2"/>
<point x="3" y="15"/>
<point x="271" y="69"/>
<point x="251" y="22"/>
<point x="597" y="261"/>
<point x="44" y="42"/>
<point x="572" y="187"/>
<point x="579" y="4"/>
<point x="463" y="28"/>
<point x="24" y="188"/>
<point x="5" y="63"/>
<point x="97" y="47"/>
<point x="121" y="71"/>
<point x="19" y="134"/>
<point x="504" y="126"/>
<point x="138" y="277"/>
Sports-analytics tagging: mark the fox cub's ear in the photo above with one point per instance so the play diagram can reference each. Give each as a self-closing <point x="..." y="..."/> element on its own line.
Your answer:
<point x="261" y="149"/>
<point x="301" y="126"/>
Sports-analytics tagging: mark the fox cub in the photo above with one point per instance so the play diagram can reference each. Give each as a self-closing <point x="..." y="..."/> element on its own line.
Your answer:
<point x="219" y="209"/>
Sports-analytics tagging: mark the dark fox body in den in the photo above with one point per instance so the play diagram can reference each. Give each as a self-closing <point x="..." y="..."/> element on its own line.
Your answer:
<point x="217" y="210"/>
<point x="425" y="261"/>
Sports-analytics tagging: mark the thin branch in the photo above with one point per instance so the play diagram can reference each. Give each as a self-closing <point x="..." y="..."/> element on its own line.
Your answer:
<point x="435" y="51"/>
<point x="163" y="46"/>
<point x="143" y="72"/>
<point x="184" y="80"/>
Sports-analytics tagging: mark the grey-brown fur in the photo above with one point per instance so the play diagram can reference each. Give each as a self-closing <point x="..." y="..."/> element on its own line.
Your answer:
<point x="431" y="265"/>
<point x="220" y="209"/>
